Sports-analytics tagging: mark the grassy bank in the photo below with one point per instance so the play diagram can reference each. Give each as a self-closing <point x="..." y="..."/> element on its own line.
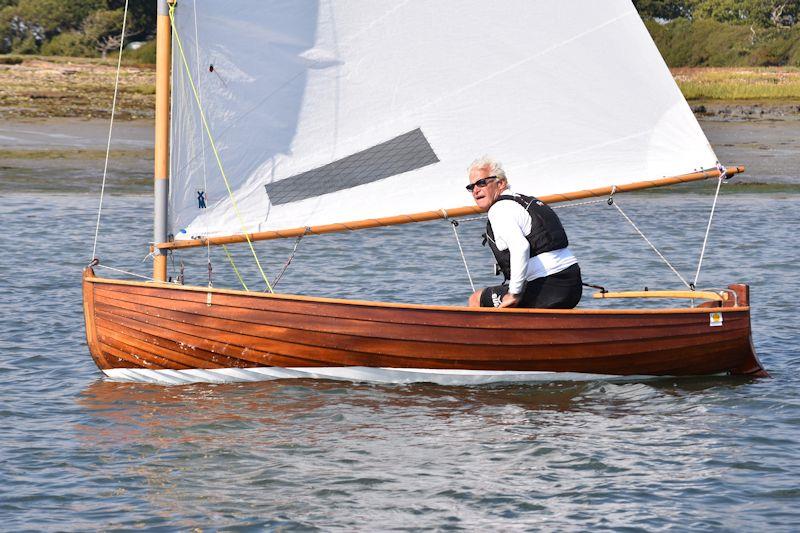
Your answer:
<point x="739" y="83"/>
<point x="38" y="87"/>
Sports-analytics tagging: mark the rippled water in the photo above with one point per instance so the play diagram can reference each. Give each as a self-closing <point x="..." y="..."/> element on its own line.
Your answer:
<point x="79" y="452"/>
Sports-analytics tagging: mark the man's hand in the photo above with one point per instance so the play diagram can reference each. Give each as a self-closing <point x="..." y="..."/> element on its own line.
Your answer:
<point x="509" y="300"/>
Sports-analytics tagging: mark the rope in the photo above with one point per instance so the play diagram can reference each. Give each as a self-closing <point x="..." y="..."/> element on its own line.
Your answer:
<point x="454" y="223"/>
<point x="214" y="148"/>
<point x="470" y="219"/>
<point x="691" y="287"/>
<point x="576" y="204"/>
<point x="722" y="175"/>
<point x="98" y="265"/>
<point x="599" y="287"/>
<point x="277" y="278"/>
<point x="234" y="268"/>
<point x="110" y="129"/>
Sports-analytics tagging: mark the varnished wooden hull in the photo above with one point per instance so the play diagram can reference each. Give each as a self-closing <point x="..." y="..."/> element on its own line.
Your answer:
<point x="142" y="327"/>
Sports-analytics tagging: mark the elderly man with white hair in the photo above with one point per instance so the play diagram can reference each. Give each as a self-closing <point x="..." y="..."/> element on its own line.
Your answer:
<point x="528" y="242"/>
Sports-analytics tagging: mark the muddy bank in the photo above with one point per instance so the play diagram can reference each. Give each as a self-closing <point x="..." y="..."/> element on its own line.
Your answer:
<point x="716" y="110"/>
<point x="73" y="88"/>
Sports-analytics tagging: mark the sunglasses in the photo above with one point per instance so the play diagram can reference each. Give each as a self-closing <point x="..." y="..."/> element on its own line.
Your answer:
<point x="480" y="183"/>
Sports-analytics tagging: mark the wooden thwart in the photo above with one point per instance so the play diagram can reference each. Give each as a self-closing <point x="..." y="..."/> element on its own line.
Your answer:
<point x="694" y="295"/>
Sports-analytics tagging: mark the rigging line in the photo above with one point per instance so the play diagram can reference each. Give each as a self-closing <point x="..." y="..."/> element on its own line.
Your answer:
<point x="289" y="261"/>
<point x="576" y="204"/>
<point x="110" y="128"/>
<point x="470" y="219"/>
<point x="454" y="223"/>
<point x="652" y="245"/>
<point x="98" y="265"/>
<point x="213" y="145"/>
<point x="234" y="267"/>
<point x="722" y="174"/>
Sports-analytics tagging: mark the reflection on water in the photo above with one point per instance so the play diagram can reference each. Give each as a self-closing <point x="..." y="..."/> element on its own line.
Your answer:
<point x="592" y="453"/>
<point x="78" y="452"/>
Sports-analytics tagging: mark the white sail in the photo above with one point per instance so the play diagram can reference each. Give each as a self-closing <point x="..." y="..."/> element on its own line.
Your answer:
<point x="342" y="110"/>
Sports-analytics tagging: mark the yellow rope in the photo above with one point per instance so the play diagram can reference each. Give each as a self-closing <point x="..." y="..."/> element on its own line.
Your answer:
<point x="214" y="147"/>
<point x="234" y="267"/>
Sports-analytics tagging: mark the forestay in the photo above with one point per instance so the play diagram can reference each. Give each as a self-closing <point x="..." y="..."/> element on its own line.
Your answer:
<point x="342" y="110"/>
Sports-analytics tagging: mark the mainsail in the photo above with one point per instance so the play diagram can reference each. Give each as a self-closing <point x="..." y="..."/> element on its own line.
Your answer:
<point x="331" y="111"/>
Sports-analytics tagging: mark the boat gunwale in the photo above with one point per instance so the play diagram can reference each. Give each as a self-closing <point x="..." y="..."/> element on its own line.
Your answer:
<point x="410" y="306"/>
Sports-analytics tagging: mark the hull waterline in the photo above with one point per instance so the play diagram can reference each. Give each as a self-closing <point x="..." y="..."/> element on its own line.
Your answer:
<point x="169" y="333"/>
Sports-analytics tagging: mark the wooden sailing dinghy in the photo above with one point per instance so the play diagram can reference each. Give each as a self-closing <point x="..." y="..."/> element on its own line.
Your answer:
<point x="341" y="109"/>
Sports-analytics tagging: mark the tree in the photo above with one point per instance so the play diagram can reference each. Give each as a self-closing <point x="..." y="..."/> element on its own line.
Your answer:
<point x="26" y="24"/>
<point x="664" y="9"/>
<point x="103" y="29"/>
<point x="759" y="13"/>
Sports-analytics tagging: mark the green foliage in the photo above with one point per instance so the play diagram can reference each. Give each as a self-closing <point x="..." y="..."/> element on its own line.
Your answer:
<point x="145" y="54"/>
<point x="72" y="44"/>
<point x="757" y="13"/>
<point x="141" y="17"/>
<point x="102" y="23"/>
<point x="103" y="29"/>
<point x="54" y="16"/>
<point x="707" y="42"/>
<point x="11" y="60"/>
<point x="663" y="9"/>
<point x="28" y="26"/>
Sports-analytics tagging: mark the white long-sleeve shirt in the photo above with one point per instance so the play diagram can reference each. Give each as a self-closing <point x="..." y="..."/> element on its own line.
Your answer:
<point x="510" y="224"/>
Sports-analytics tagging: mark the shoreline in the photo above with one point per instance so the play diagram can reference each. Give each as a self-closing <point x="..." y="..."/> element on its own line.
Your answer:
<point x="36" y="88"/>
<point x="65" y="155"/>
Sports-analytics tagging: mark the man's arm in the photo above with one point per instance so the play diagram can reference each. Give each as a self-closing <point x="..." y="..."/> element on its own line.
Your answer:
<point x="507" y="224"/>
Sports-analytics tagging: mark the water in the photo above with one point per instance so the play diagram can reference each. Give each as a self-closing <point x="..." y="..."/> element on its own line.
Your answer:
<point x="78" y="452"/>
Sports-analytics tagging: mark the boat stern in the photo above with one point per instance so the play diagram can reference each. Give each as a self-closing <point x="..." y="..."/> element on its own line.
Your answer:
<point x="750" y="366"/>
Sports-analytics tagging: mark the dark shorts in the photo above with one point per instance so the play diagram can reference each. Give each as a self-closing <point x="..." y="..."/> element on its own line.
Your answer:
<point x="561" y="290"/>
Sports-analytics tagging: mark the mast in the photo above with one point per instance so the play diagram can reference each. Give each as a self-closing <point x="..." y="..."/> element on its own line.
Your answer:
<point x="161" y="171"/>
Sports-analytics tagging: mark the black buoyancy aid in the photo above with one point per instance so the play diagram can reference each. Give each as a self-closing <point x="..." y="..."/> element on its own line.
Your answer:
<point x="547" y="234"/>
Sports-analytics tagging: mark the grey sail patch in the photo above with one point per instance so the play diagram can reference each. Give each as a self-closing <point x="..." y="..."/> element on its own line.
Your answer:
<point x="404" y="153"/>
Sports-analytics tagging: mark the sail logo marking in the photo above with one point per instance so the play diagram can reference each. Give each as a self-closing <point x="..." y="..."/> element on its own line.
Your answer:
<point x="404" y="153"/>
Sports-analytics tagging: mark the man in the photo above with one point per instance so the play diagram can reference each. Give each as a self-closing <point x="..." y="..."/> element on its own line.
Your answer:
<point x="528" y="242"/>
